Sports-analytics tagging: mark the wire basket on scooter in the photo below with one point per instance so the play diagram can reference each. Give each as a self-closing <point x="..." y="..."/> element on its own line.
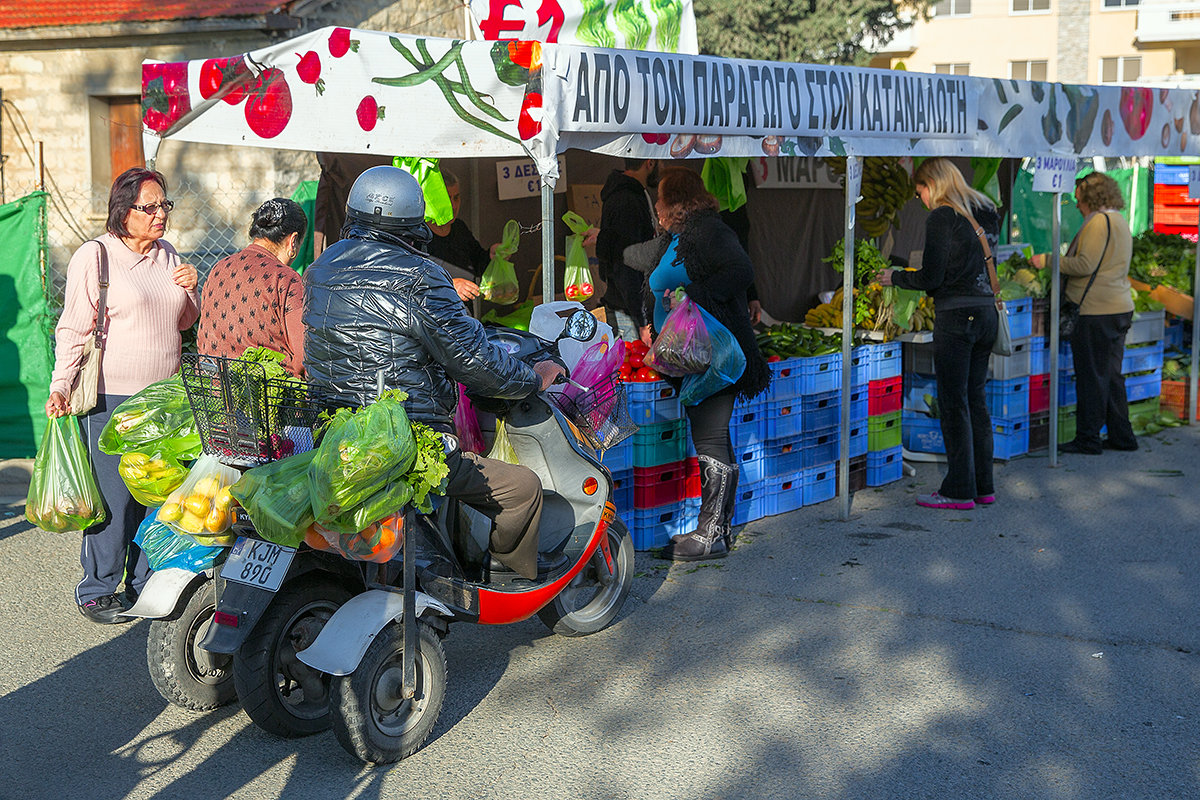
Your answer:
<point x="245" y="418"/>
<point x="601" y="414"/>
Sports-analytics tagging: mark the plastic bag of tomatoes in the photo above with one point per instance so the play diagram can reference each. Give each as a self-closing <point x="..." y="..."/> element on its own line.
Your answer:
<point x="379" y="542"/>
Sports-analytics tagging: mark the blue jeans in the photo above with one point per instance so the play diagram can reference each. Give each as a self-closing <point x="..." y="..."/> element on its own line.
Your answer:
<point x="962" y="344"/>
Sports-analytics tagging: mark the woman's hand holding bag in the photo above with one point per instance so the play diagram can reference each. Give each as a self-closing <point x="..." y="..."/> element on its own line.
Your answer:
<point x="683" y="347"/>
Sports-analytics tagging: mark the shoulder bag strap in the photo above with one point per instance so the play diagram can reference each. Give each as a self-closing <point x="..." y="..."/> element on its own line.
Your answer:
<point x="1099" y="261"/>
<point x="987" y="255"/>
<point x="102" y="304"/>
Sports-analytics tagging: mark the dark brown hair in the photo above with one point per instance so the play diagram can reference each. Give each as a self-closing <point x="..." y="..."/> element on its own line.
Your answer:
<point x="124" y="194"/>
<point x="681" y="191"/>
<point x="1099" y="191"/>
<point x="277" y="219"/>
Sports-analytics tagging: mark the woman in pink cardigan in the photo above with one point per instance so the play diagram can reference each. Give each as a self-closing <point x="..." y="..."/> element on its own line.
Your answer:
<point x="151" y="298"/>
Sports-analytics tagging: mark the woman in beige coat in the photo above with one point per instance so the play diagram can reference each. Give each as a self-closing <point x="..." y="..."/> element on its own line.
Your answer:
<point x="1102" y="247"/>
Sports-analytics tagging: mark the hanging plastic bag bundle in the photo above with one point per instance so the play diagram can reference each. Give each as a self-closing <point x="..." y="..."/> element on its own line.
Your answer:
<point x="728" y="364"/>
<point x="499" y="282"/>
<point x="202" y="507"/>
<point x="166" y="549"/>
<point x="277" y="498"/>
<point x="438" y="209"/>
<point x="63" y="495"/>
<point x="578" y="277"/>
<point x="683" y="347"/>
<point x="157" y="416"/>
<point x="466" y="424"/>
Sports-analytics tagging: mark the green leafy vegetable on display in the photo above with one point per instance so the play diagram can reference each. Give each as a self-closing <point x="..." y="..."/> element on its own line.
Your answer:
<point x="1163" y="258"/>
<point x="788" y="340"/>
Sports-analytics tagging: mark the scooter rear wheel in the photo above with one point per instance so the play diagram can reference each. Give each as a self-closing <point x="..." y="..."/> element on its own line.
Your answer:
<point x="280" y="693"/>
<point x="588" y="605"/>
<point x="185" y="674"/>
<point x="370" y="717"/>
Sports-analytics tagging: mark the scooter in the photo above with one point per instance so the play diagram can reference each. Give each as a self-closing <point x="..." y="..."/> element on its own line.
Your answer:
<point x="380" y="653"/>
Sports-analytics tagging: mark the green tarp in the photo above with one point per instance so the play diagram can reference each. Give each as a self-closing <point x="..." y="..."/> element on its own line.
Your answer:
<point x="306" y="196"/>
<point x="1030" y="218"/>
<point x="25" y="356"/>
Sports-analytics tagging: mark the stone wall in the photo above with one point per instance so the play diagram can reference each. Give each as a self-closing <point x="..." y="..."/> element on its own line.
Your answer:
<point x="1074" y="37"/>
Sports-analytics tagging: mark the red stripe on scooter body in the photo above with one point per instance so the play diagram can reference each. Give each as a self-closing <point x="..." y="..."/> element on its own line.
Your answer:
<point x="501" y="608"/>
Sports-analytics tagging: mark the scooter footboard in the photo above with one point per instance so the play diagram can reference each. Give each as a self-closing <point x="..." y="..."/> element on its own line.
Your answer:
<point x="340" y="645"/>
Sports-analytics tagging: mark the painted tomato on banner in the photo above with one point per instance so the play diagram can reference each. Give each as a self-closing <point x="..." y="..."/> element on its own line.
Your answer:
<point x="309" y="70"/>
<point x="232" y="74"/>
<point x="369" y="113"/>
<point x="269" y="104"/>
<point x="165" y="97"/>
<point x="1137" y="106"/>
<point x="340" y="42"/>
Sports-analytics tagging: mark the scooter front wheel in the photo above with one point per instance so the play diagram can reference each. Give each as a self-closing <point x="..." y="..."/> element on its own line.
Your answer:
<point x="370" y="716"/>
<point x="184" y="673"/>
<point x="589" y="604"/>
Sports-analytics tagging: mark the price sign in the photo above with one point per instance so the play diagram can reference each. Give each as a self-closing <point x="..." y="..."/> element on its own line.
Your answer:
<point x="854" y="173"/>
<point x="1054" y="173"/>
<point x="1194" y="181"/>
<point x="519" y="178"/>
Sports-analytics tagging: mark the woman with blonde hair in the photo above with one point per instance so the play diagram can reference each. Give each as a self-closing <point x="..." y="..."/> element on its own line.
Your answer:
<point x="1096" y="276"/>
<point x="954" y="273"/>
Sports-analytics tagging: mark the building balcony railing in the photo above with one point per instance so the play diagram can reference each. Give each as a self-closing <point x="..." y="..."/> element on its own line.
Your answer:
<point x="1162" y="21"/>
<point x="903" y="42"/>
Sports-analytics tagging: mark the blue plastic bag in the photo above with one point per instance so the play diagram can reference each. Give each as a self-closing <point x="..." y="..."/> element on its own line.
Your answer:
<point x="165" y="548"/>
<point x="727" y="365"/>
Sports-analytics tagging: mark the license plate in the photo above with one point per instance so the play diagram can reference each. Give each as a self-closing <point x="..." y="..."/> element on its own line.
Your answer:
<point x="254" y="562"/>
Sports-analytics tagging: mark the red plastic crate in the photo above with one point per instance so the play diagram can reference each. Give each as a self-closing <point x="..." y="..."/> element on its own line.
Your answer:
<point x="1170" y="194"/>
<point x="1176" y="215"/>
<point x="1039" y="393"/>
<point x="656" y="486"/>
<point x="691" y="478"/>
<point x="885" y="395"/>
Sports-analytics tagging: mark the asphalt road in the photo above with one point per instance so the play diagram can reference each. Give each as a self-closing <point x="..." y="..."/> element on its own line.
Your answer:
<point x="1046" y="647"/>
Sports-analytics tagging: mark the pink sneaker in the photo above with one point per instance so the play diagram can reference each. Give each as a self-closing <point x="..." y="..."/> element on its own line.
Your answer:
<point x="935" y="500"/>
<point x="985" y="500"/>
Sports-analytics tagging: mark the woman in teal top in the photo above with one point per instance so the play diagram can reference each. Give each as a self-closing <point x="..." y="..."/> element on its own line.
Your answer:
<point x="667" y="276"/>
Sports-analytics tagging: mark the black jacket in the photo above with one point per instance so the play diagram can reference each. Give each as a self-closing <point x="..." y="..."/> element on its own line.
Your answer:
<point x="624" y="220"/>
<point x="372" y="303"/>
<point x="720" y="274"/>
<point x="953" y="271"/>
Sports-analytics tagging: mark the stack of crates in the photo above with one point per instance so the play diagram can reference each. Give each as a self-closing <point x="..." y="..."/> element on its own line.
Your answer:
<point x="656" y="479"/>
<point x="885" y="395"/>
<point x="1174" y="211"/>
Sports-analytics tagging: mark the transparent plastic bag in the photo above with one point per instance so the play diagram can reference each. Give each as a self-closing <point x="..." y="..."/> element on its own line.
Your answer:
<point x="151" y="476"/>
<point x="728" y="364"/>
<point x="379" y="542"/>
<point x="578" y="277"/>
<point x="276" y="497"/>
<point x="63" y="495"/>
<point x="466" y="424"/>
<point x="502" y="449"/>
<point x="164" y="548"/>
<point x="202" y="507"/>
<point x="499" y="281"/>
<point x="683" y="347"/>
<point x="157" y="418"/>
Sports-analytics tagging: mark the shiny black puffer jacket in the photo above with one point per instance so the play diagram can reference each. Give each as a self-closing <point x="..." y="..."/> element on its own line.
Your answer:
<point x="372" y="302"/>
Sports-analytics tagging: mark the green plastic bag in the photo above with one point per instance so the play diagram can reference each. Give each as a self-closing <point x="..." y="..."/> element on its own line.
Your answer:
<point x="499" y="282"/>
<point x="433" y="186"/>
<point x="276" y="496"/>
<point x="63" y="495"/>
<point x="502" y="449"/>
<point x="151" y="476"/>
<point x="157" y="417"/>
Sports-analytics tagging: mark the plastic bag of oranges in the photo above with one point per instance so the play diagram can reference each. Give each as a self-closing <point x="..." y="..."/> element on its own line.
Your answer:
<point x="202" y="507"/>
<point x="379" y="542"/>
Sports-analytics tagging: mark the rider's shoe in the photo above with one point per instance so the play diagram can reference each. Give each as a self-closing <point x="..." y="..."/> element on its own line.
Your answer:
<point x="547" y="563"/>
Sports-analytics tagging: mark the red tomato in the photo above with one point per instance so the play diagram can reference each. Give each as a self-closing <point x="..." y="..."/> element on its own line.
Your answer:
<point x="165" y="97"/>
<point x="220" y="72"/>
<point x="269" y="107"/>
<point x="625" y="373"/>
<point x="638" y="346"/>
<point x="645" y="374"/>
<point x="369" y="113"/>
<point x="636" y="361"/>
<point x="773" y="359"/>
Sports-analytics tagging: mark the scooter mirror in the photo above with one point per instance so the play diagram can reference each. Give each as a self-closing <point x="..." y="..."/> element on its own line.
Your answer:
<point x="581" y="326"/>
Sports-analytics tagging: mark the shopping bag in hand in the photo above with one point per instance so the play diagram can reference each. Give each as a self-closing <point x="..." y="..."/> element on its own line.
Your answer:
<point x="499" y="282"/>
<point x="63" y="495"/>
<point x="466" y="424"/>
<point x="728" y="364"/>
<point x="578" y="277"/>
<point x="683" y="347"/>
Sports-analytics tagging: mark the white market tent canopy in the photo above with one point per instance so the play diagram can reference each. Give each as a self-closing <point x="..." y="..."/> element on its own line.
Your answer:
<point x="360" y="91"/>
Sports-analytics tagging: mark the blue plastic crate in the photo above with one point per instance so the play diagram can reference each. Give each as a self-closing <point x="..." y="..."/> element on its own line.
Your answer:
<point x="660" y="443"/>
<point x="1139" y="387"/>
<point x="860" y="365"/>
<point x="1066" y="388"/>
<point x="1140" y="359"/>
<point x="748" y="424"/>
<point x="652" y="401"/>
<point x="819" y="411"/>
<point x="782" y="456"/>
<point x="654" y="527"/>
<point x="915" y="388"/>
<point x="1039" y="355"/>
<point x="1173" y="333"/>
<point x="623" y="492"/>
<point x="1010" y="438"/>
<point x="784" y="418"/>
<point x="820" y="374"/>
<point x="620" y="457"/>
<point x="860" y="402"/>
<point x="691" y="512"/>
<point x="885" y="360"/>
<point x="819" y="447"/>
<point x="921" y="434"/>
<point x="1008" y="399"/>
<point x="858" y="437"/>
<point x="786" y="493"/>
<point x="885" y="466"/>
<point x="1066" y="357"/>
<point x="820" y="484"/>
<point x="1171" y="174"/>
<point x="785" y="378"/>
<point x="1020" y="317"/>
<point x="751" y="460"/>
<point x="749" y="502"/>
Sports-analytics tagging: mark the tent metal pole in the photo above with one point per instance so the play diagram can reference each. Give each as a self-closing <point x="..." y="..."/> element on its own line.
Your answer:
<point x="1055" y="303"/>
<point x="547" y="242"/>
<point x="1189" y="404"/>
<point x="853" y="182"/>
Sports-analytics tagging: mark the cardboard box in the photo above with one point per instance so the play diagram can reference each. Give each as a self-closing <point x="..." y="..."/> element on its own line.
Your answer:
<point x="584" y="200"/>
<point x="1173" y="300"/>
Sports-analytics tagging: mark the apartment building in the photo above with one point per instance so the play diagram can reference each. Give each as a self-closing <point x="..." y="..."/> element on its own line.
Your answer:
<point x="1069" y="41"/>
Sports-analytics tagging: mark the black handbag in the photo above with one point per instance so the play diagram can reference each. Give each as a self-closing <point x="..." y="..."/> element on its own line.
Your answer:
<point x="1068" y="311"/>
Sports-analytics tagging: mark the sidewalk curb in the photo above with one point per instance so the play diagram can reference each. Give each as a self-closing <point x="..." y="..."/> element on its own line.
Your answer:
<point x="15" y="474"/>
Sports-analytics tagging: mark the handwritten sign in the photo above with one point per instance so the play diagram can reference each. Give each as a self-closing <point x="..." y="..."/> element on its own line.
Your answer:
<point x="519" y="178"/>
<point x="1054" y="173"/>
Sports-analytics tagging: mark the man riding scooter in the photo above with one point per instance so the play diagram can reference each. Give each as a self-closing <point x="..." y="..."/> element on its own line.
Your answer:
<point x="374" y="302"/>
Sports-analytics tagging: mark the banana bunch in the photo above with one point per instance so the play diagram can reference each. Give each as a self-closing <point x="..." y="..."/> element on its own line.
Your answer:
<point x="826" y="315"/>
<point x="922" y="317"/>
<point x="886" y="187"/>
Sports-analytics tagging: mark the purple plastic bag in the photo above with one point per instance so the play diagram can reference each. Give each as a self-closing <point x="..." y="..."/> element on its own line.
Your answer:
<point x="466" y="424"/>
<point x="683" y="347"/>
<point x="596" y="368"/>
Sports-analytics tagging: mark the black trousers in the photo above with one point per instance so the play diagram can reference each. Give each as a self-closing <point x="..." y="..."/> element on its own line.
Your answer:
<point x="710" y="425"/>
<point x="962" y="344"/>
<point x="108" y="555"/>
<point x="1098" y="345"/>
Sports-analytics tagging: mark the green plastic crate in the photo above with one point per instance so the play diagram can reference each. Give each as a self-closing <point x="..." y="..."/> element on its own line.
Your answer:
<point x="883" y="432"/>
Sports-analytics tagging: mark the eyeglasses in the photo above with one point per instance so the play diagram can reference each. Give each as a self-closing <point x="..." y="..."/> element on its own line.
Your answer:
<point x="153" y="208"/>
